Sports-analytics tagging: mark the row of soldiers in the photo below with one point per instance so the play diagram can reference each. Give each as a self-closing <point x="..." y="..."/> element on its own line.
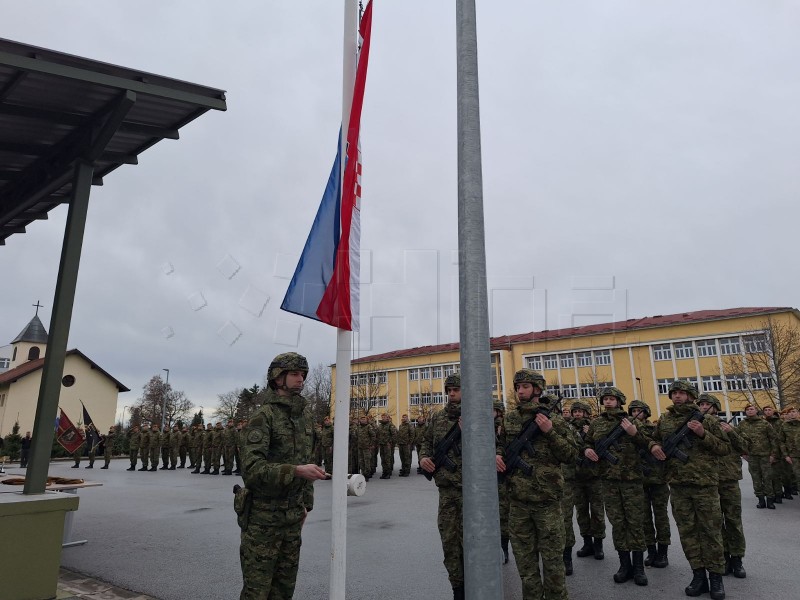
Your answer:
<point x="369" y="440"/>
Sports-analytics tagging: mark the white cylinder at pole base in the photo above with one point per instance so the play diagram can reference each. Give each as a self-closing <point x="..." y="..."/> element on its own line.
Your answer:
<point x="356" y="485"/>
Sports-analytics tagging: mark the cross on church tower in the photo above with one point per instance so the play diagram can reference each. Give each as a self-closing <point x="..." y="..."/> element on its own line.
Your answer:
<point x="38" y="306"/>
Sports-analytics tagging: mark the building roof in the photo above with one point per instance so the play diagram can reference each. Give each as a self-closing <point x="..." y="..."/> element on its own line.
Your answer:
<point x="57" y="109"/>
<point x="34" y="365"/>
<point x="506" y="341"/>
<point x="34" y="332"/>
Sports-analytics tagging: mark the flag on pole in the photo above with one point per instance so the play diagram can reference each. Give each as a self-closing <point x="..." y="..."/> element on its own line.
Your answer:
<point x="69" y="436"/>
<point x="91" y="429"/>
<point x="324" y="286"/>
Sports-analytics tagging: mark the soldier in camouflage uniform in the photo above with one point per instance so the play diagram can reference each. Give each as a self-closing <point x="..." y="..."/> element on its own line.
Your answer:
<point x="535" y="520"/>
<point x="197" y="440"/>
<point x="781" y="470"/>
<point x="144" y="447"/>
<point x="791" y="430"/>
<point x="762" y="452"/>
<point x="502" y="486"/>
<point x="155" y="446"/>
<point x="374" y="425"/>
<point x="450" y="518"/>
<point x="568" y="499"/>
<point x="208" y="452"/>
<point x="166" y="436"/>
<point x="326" y="439"/>
<point x="278" y="474"/>
<point x="229" y="446"/>
<point x="587" y="492"/>
<point x="78" y="453"/>
<point x="317" y="450"/>
<point x="386" y="441"/>
<point x="216" y="447"/>
<point x="237" y="456"/>
<point x="134" y="437"/>
<point x="656" y="495"/>
<point x="195" y="435"/>
<point x="183" y="446"/>
<point x="623" y="494"/>
<point x="352" y="446"/>
<point x="730" y="495"/>
<point x="695" y="495"/>
<point x="173" y="443"/>
<point x="108" y="446"/>
<point x="365" y="442"/>
<point x="405" y="437"/>
<point x="419" y="438"/>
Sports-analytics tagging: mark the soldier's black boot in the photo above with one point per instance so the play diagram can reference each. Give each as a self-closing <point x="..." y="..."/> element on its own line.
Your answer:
<point x="597" y="548"/>
<point x="215" y="471"/>
<point x="504" y="546"/>
<point x="639" y="576"/>
<point x="717" y="587"/>
<point x="172" y="468"/>
<point x="154" y="468"/>
<point x="762" y="502"/>
<point x="737" y="568"/>
<point x="587" y="549"/>
<point x="104" y="467"/>
<point x="131" y="469"/>
<point x="625" y="567"/>
<point x="567" y="560"/>
<point x="778" y="499"/>
<point x="458" y="593"/>
<point x="207" y="471"/>
<point x="787" y="493"/>
<point x="89" y="466"/>
<point x="728" y="568"/>
<point x="770" y="503"/>
<point x="651" y="555"/>
<point x="661" y="560"/>
<point x="76" y="465"/>
<point x="699" y="584"/>
<point x="143" y="469"/>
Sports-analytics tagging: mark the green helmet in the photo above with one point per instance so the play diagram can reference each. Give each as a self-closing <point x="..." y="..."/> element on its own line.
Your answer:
<point x="288" y="361"/>
<point x="578" y="405"/>
<point x="529" y="376"/>
<point x="453" y="380"/>
<point x="711" y="399"/>
<point x="641" y="405"/>
<point x="680" y="384"/>
<point x="612" y="391"/>
<point x="499" y="406"/>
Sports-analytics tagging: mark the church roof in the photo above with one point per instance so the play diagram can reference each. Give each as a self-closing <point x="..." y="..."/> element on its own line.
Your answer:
<point x="29" y="367"/>
<point x="33" y="332"/>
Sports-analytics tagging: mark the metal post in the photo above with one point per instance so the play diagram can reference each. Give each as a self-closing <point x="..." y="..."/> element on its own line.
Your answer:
<point x="53" y="370"/>
<point x="482" y="565"/>
<point x="164" y="400"/>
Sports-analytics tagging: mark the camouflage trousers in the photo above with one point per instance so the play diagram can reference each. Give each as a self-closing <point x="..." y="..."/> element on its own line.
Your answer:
<point x="269" y="553"/>
<point x="795" y="470"/>
<point x="318" y="455"/>
<point x="154" y="457"/>
<point x="352" y="460"/>
<point x="537" y="529"/>
<point x="625" y="508"/>
<point x="567" y="509"/>
<point x="165" y="456"/>
<point x="227" y="455"/>
<point x="387" y="458"/>
<point x="405" y="458"/>
<point x="193" y="456"/>
<point x="761" y="472"/>
<point x="730" y="500"/>
<point x="656" y="518"/>
<point x="93" y="453"/>
<point x="182" y="454"/>
<point x="144" y="455"/>
<point x="365" y="462"/>
<point x="107" y="456"/>
<point x="451" y="531"/>
<point x="328" y="455"/>
<point x="589" y="507"/>
<point x="207" y="452"/>
<point x="697" y="513"/>
<point x="134" y="454"/>
<point x="173" y="457"/>
<point x="216" y="455"/>
<point x="781" y="476"/>
<point x="505" y="505"/>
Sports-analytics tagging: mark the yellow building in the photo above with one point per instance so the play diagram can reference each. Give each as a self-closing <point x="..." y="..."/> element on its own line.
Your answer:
<point x="83" y="380"/>
<point x="730" y="353"/>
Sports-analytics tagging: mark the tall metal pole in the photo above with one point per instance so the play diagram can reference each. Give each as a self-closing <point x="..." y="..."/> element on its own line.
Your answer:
<point x="164" y="401"/>
<point x="482" y="569"/>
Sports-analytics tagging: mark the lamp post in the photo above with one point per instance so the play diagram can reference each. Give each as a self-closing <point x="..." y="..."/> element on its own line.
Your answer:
<point x="164" y="401"/>
<point x="122" y="421"/>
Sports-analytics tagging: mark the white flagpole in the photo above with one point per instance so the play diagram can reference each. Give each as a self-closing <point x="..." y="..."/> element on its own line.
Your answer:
<point x="344" y="339"/>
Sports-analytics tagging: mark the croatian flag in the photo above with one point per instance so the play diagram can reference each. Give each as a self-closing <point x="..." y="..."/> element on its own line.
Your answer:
<point x="325" y="283"/>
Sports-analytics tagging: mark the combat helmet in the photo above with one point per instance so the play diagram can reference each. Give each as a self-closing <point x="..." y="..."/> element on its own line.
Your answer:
<point x="711" y="399"/>
<point x="680" y="384"/>
<point x="288" y="361"/>
<point x="578" y="405"/>
<point x="499" y="406"/>
<point x="640" y="405"/>
<point x="530" y="376"/>
<point x="612" y="391"/>
<point x="453" y="381"/>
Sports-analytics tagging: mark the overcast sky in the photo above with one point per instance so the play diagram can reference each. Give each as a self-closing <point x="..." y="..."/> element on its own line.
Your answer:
<point x="639" y="158"/>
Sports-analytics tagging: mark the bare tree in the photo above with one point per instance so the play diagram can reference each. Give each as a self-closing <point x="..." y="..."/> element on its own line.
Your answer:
<point x="368" y="384"/>
<point x="596" y="378"/>
<point x="318" y="391"/>
<point x="155" y="393"/>
<point x="227" y="405"/>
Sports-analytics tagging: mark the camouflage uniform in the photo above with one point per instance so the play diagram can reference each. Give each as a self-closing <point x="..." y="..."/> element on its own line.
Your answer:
<point x="366" y="442"/>
<point x="134" y="437"/>
<point x="450" y="518"/>
<point x="419" y="438"/>
<point x="405" y="437"/>
<point x="535" y="520"/>
<point x="166" y="446"/>
<point x="155" y="447"/>
<point x="216" y="447"/>
<point x="195" y="443"/>
<point x="278" y="438"/>
<point x="504" y="499"/>
<point x="174" y="443"/>
<point x="208" y="451"/>
<point x="386" y="441"/>
<point x="781" y="470"/>
<point x="327" y="445"/>
<point x="695" y="495"/>
<point x="183" y="447"/>
<point x="762" y="443"/>
<point x="108" y="446"/>
<point x="317" y="452"/>
<point x="791" y="430"/>
<point x="588" y="494"/>
<point x="229" y="446"/>
<point x="352" y="446"/>
<point x="144" y="448"/>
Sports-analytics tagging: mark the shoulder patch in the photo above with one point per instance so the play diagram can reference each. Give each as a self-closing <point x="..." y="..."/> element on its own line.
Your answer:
<point x="255" y="436"/>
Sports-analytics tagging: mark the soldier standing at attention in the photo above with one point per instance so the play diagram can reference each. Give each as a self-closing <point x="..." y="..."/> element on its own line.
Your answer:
<point x="781" y="470"/>
<point x="237" y="451"/>
<point x="762" y="449"/>
<point x="730" y="495"/>
<point x="208" y="436"/>
<point x="279" y="475"/>
<point x="317" y="451"/>
<point x="502" y="486"/>
<point x="535" y="520"/>
<point x="695" y="496"/>
<point x="623" y="493"/>
<point x="449" y="483"/>
<point x="568" y="499"/>
<point x="229" y="446"/>
<point x="197" y="440"/>
<point x="791" y="429"/>
<point x="183" y="446"/>
<point x="656" y="497"/>
<point x="155" y="446"/>
<point x="76" y="456"/>
<point x="419" y="438"/>
<point x="92" y="441"/>
<point x="166" y="444"/>
<point x="108" y="446"/>
<point x="588" y="493"/>
<point x="327" y="444"/>
<point x="144" y="448"/>
<point x="133" y="445"/>
<point x="386" y="445"/>
<point x="216" y="447"/>
<point x="405" y="438"/>
<point x="366" y="442"/>
<point x="352" y="446"/>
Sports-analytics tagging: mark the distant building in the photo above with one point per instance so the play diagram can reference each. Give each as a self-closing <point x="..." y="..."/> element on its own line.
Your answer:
<point x="83" y="380"/>
<point x="723" y="352"/>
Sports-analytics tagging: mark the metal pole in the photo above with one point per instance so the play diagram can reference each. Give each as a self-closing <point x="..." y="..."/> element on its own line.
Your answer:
<point x="53" y="370"/>
<point x="164" y="400"/>
<point x="482" y="568"/>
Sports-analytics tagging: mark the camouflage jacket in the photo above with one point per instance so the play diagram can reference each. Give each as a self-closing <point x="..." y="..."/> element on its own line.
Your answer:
<point x="327" y="436"/>
<point x="144" y="439"/>
<point x="701" y="469"/>
<point x="551" y="449"/>
<point x="777" y="425"/>
<point x="155" y="439"/>
<point x="229" y="437"/>
<point x="186" y="439"/>
<point x="629" y="467"/>
<point x="405" y="434"/>
<point x="278" y="438"/>
<point x="652" y="473"/>
<point x="570" y="469"/>
<point x="175" y="439"/>
<point x="439" y="425"/>
<point x="216" y="437"/>
<point x="761" y="437"/>
<point x="134" y="440"/>
<point x="730" y="465"/>
<point x="791" y="433"/>
<point x="208" y="438"/>
<point x="366" y="436"/>
<point x="386" y="433"/>
<point x="583" y="473"/>
<point x="419" y="434"/>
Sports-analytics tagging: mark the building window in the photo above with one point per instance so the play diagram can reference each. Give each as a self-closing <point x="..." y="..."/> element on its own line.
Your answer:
<point x="552" y="390"/>
<point x="414" y="400"/>
<point x="663" y="385"/>
<point x="755" y="343"/>
<point x="587" y="390"/>
<point x="33" y="353"/>
<point x="437" y="372"/>
<point x="425" y="373"/>
<point x="706" y="348"/>
<point x="380" y="402"/>
<point x="373" y="378"/>
<point x="450" y="370"/>
<point x="68" y="380"/>
<point x="438" y="398"/>
<point x="550" y="361"/>
<point x="567" y="360"/>
<point x="584" y="359"/>
<point x="684" y="350"/>
<point x="426" y="397"/>
<point x="761" y="381"/>
<point x="4" y="362"/>
<point x="662" y="352"/>
<point x="712" y="384"/>
<point x="534" y="362"/>
<point x="569" y="390"/>
<point x="413" y="374"/>
<point x="602" y="357"/>
<point x="734" y="383"/>
<point x="729" y="345"/>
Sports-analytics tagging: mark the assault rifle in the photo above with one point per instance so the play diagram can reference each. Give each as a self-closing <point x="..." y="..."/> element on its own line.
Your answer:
<point x="672" y="445"/>
<point x="603" y="447"/>
<point x="523" y="441"/>
<point x="440" y="458"/>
